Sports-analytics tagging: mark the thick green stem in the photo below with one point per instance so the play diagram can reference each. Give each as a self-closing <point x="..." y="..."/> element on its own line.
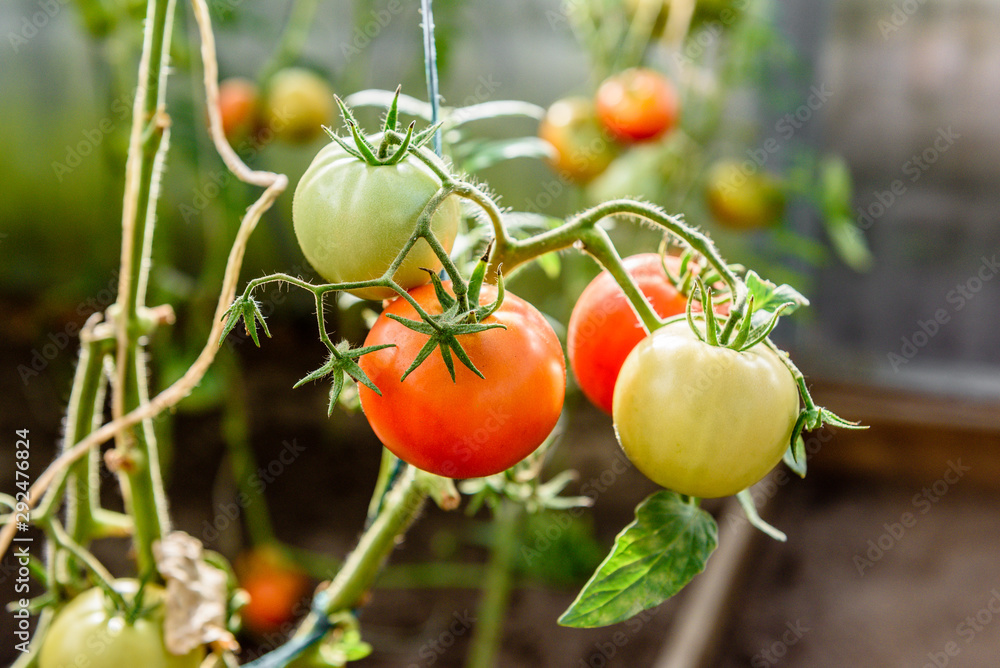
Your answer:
<point x="82" y="417"/>
<point x="596" y="242"/>
<point x="496" y="587"/>
<point x="357" y="575"/>
<point x="140" y="475"/>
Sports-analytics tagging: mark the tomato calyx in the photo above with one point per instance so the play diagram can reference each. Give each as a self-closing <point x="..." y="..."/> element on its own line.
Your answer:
<point x="341" y="362"/>
<point x="456" y="318"/>
<point x="244" y="308"/>
<point x="366" y="151"/>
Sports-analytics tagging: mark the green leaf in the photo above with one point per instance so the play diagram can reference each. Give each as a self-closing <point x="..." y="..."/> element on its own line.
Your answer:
<point x="495" y="109"/>
<point x="667" y="544"/>
<point x="550" y="264"/>
<point x="769" y="298"/>
<point x="494" y="152"/>
<point x="836" y="188"/>
<point x="849" y="242"/>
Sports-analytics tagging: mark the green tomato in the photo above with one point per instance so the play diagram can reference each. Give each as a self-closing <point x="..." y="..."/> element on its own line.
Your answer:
<point x="90" y="632"/>
<point x="703" y="420"/>
<point x="297" y="104"/>
<point x="743" y="200"/>
<point x="352" y="219"/>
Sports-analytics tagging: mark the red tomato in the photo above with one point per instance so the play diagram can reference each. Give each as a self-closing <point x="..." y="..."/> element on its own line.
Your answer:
<point x="276" y="588"/>
<point x="603" y="328"/>
<point x="638" y="105"/>
<point x="471" y="427"/>
<point x="238" y="105"/>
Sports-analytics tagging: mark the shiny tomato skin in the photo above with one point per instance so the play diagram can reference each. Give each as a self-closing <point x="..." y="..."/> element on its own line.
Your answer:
<point x="637" y="105"/>
<point x="603" y="328"/>
<point x="582" y="147"/>
<point x="87" y="631"/>
<point x="351" y="219"/>
<point x="473" y="427"/>
<point x="703" y="420"/>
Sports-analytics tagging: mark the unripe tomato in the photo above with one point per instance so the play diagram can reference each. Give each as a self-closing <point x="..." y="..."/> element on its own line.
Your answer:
<point x="743" y="200"/>
<point x="238" y="105"/>
<point x="351" y="219"/>
<point x="603" y="328"/>
<point x="89" y="632"/>
<point x="582" y="148"/>
<point x="703" y="420"/>
<point x="474" y="426"/>
<point x="298" y="102"/>
<point x="638" y="105"/>
<point x="276" y="588"/>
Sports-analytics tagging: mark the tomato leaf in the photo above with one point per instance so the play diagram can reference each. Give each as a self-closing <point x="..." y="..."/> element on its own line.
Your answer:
<point x="494" y="152"/>
<point x="769" y="298"/>
<point x="654" y="557"/>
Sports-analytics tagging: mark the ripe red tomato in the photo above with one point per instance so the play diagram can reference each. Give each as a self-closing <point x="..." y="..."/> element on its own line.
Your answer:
<point x="638" y="105"/>
<point x="239" y="101"/>
<point x="276" y="588"/>
<point x="471" y="427"/>
<point x="582" y="148"/>
<point x="603" y="328"/>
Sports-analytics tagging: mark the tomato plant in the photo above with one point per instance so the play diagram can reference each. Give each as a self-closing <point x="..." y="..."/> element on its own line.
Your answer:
<point x="239" y="102"/>
<point x="638" y="104"/>
<point x="89" y="631"/>
<point x="603" y="327"/>
<point x="582" y="148"/>
<point x="472" y="426"/>
<point x="703" y="420"/>
<point x="352" y="218"/>
<point x="276" y="587"/>
<point x="297" y="104"/>
<point x="743" y="200"/>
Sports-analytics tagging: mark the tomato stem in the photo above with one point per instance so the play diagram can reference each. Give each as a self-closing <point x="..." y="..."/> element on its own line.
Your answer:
<point x="399" y="509"/>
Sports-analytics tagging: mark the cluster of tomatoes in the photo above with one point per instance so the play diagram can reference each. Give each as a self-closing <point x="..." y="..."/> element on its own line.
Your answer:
<point x="294" y="105"/>
<point x="636" y="105"/>
<point x="352" y="218"/>
<point x="642" y="106"/>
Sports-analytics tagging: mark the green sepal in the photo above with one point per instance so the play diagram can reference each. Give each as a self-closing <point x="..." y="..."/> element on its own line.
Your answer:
<point x="486" y="311"/>
<point x="444" y="336"/>
<point x="444" y="298"/>
<point x="424" y="136"/>
<point x="750" y="510"/>
<point x="795" y="456"/>
<point x="654" y="557"/>
<point x="478" y="276"/>
<point x="248" y="309"/>
<point x="392" y="115"/>
<point x="341" y="362"/>
<point x="343" y="144"/>
<point x="404" y="146"/>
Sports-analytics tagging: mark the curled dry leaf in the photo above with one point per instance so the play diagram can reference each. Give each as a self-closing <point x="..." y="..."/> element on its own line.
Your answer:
<point x="196" y="596"/>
